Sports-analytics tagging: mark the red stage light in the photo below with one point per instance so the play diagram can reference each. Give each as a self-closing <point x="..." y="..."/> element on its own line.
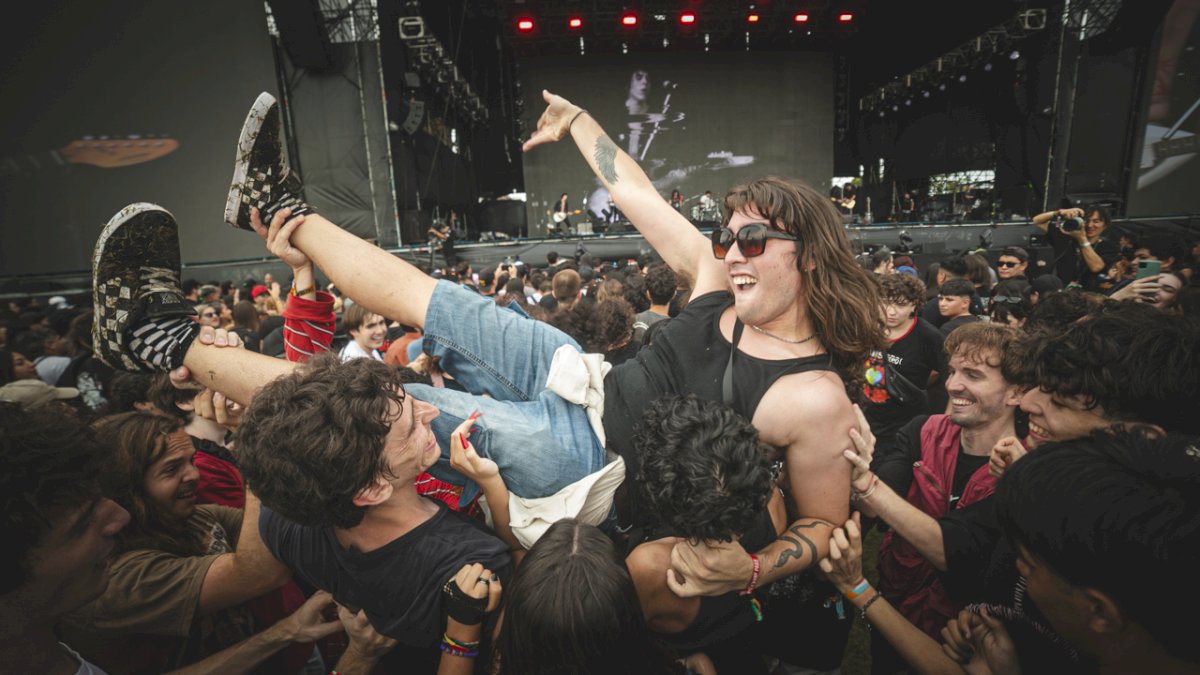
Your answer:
<point x="800" y="18"/>
<point x="753" y="18"/>
<point x="525" y="25"/>
<point x="687" y="18"/>
<point x="845" y="17"/>
<point x="629" y="19"/>
<point x="575" y="22"/>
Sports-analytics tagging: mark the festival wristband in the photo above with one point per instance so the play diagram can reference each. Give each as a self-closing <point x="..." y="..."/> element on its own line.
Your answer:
<point x="461" y="607"/>
<point x="858" y="590"/>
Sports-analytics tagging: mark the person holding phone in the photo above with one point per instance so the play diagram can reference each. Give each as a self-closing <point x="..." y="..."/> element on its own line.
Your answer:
<point x="1081" y="253"/>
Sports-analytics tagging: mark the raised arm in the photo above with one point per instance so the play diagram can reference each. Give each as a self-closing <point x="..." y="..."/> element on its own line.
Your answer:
<point x="681" y="245"/>
<point x="248" y="572"/>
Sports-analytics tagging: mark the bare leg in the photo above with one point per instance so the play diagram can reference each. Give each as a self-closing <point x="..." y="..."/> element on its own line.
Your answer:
<point x="372" y="277"/>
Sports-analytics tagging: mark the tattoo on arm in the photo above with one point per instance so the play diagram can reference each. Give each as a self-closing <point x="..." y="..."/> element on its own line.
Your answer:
<point x="606" y="157"/>
<point x="798" y="540"/>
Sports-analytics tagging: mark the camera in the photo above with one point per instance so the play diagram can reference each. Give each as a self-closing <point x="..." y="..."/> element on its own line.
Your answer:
<point x="1070" y="224"/>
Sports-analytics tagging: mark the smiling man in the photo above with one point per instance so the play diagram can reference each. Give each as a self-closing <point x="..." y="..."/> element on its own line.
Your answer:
<point x="938" y="470"/>
<point x="1129" y="363"/>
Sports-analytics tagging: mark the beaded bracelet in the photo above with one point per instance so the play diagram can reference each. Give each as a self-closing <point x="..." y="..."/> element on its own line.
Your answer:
<point x="862" y="612"/>
<point x="454" y="651"/>
<point x="306" y="291"/>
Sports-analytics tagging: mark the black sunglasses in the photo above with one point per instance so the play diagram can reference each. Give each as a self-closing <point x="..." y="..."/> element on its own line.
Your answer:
<point x="1007" y="263"/>
<point x="751" y="239"/>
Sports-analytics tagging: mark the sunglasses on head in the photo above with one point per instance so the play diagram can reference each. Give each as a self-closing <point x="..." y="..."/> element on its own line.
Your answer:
<point x="751" y="239"/>
<point x="1008" y="263"/>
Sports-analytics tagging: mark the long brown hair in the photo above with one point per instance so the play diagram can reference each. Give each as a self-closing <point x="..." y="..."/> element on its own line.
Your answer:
<point x="843" y="299"/>
<point x="135" y="441"/>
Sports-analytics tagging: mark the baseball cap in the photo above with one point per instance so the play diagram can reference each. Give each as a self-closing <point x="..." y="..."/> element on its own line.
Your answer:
<point x="905" y="269"/>
<point x="1047" y="283"/>
<point x="258" y="290"/>
<point x="34" y="393"/>
<point x="1016" y="252"/>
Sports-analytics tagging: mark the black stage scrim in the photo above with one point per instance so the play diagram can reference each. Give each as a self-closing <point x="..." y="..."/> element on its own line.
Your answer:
<point x="186" y="71"/>
<point x="695" y="122"/>
<point x="1167" y="161"/>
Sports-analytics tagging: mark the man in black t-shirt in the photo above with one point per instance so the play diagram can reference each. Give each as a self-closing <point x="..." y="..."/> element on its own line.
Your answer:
<point x="334" y="449"/>
<point x="954" y="304"/>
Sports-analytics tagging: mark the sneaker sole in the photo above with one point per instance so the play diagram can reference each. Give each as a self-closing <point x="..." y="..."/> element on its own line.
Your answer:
<point x="250" y="130"/>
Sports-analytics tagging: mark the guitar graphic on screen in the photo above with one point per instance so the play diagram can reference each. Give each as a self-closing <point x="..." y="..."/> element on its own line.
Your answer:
<point x="105" y="152"/>
<point x="1166" y="149"/>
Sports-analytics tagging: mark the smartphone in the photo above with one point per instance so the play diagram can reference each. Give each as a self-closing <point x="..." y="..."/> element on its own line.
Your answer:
<point x="1148" y="268"/>
<point x="475" y="277"/>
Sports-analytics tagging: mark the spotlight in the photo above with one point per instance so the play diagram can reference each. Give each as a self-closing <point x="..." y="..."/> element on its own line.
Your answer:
<point x="925" y="93"/>
<point x="962" y="78"/>
<point x="525" y="24"/>
<point x="895" y="108"/>
<point x="987" y="67"/>
<point x="752" y="18"/>
<point x="800" y="18"/>
<point x="942" y="87"/>
<point x="575" y="22"/>
<point x="881" y="113"/>
<point x="845" y="17"/>
<point x="1014" y="55"/>
<point x="629" y="19"/>
<point x="687" y="18"/>
<point x="908" y="101"/>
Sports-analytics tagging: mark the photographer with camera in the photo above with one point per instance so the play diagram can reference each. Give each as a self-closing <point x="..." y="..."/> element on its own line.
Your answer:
<point x="1081" y="254"/>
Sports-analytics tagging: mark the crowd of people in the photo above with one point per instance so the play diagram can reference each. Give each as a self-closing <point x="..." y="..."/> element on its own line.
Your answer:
<point x="662" y="465"/>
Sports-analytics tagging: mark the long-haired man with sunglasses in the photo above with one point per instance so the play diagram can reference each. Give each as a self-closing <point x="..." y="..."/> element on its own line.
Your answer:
<point x="780" y="321"/>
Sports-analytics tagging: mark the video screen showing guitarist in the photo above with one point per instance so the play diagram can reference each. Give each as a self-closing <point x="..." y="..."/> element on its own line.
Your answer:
<point x="652" y="115"/>
<point x="1168" y="171"/>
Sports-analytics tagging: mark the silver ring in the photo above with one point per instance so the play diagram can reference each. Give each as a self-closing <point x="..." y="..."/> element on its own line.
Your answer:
<point x="483" y="581"/>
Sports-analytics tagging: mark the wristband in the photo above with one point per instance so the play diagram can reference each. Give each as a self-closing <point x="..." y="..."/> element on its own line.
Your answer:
<point x="1086" y="244"/>
<point x="858" y="590"/>
<point x="581" y="111"/>
<point x="753" y="576"/>
<point x="856" y="496"/>
<point x="461" y="607"/>
<point x="306" y="291"/>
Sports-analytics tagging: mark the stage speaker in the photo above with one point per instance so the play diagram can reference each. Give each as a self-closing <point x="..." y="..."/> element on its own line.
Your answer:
<point x="302" y="33"/>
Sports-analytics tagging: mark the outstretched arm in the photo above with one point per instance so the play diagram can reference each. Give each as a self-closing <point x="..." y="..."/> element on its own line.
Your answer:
<point x="674" y="238"/>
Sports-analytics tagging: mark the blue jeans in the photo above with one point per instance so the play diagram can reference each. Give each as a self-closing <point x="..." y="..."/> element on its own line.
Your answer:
<point x="540" y="441"/>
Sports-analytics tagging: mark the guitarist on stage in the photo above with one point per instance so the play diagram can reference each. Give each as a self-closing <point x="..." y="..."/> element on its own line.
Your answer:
<point x="562" y="216"/>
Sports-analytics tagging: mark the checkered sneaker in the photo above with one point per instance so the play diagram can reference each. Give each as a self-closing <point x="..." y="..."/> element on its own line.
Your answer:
<point x="261" y="176"/>
<point x="141" y="318"/>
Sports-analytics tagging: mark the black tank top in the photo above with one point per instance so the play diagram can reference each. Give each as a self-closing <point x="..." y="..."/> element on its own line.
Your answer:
<point x="688" y="356"/>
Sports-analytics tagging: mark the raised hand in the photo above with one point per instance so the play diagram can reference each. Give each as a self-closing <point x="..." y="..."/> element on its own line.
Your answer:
<point x="843" y="567"/>
<point x="279" y="235"/>
<point x="554" y="124"/>
<point x="463" y="456"/>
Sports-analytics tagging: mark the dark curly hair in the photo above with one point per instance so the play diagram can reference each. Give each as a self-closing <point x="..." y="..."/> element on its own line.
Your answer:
<point x="661" y="282"/>
<point x="597" y="326"/>
<point x="1114" y="511"/>
<point x="1137" y="363"/>
<point x="1056" y="311"/>
<point x="310" y="441"/>
<point x="901" y="289"/>
<point x="704" y="472"/>
<point x="51" y="462"/>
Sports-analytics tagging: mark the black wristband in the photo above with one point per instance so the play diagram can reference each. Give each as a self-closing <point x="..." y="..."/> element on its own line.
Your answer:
<point x="461" y="607"/>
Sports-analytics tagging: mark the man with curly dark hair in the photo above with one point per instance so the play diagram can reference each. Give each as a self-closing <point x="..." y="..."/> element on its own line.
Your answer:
<point x="705" y="478"/>
<point x="1129" y="362"/>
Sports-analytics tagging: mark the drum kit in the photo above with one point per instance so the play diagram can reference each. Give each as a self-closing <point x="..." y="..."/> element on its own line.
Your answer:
<point x="705" y="211"/>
